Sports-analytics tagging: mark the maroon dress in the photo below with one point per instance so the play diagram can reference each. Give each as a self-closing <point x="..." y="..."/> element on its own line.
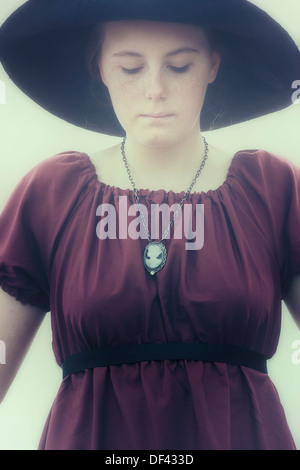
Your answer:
<point x="99" y="294"/>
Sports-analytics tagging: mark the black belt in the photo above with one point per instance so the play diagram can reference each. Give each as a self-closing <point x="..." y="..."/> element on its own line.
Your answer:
<point x="133" y="353"/>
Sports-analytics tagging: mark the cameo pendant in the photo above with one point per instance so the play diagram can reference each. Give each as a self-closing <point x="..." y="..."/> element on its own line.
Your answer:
<point x="155" y="256"/>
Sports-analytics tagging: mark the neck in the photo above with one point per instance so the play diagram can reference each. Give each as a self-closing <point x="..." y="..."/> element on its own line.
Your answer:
<point x="161" y="164"/>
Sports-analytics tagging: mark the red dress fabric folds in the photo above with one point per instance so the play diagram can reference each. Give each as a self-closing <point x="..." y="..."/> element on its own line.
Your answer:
<point x="99" y="295"/>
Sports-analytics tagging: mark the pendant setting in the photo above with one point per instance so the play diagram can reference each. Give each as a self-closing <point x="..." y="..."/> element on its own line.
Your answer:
<point x="155" y="256"/>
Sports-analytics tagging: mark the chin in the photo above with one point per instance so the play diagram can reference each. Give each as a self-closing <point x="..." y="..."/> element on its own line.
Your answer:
<point x="158" y="140"/>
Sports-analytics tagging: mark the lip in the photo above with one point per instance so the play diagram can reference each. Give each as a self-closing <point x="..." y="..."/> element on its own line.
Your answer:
<point x="157" y="116"/>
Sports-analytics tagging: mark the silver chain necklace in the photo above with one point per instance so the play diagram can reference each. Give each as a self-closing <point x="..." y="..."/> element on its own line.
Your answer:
<point x="155" y="253"/>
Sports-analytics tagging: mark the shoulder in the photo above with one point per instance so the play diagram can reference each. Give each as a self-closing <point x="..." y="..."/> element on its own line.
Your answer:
<point x="59" y="172"/>
<point x="263" y="158"/>
<point x="265" y="169"/>
<point x="53" y="187"/>
<point x="264" y="183"/>
<point x="61" y="165"/>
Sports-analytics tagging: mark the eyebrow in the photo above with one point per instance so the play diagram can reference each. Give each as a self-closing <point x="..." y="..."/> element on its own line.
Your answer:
<point x="182" y="50"/>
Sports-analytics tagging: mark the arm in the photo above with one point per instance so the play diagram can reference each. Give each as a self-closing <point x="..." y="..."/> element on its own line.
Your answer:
<point x="292" y="300"/>
<point x="18" y="326"/>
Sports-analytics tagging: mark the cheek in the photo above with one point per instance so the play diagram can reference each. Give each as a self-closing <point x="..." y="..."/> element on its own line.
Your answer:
<point x="125" y="98"/>
<point x="123" y="93"/>
<point x="190" y="96"/>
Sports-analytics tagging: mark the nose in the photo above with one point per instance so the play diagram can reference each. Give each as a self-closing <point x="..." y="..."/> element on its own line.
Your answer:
<point x="155" y="86"/>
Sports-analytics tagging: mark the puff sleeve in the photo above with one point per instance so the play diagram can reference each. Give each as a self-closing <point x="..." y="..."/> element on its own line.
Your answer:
<point x="291" y="229"/>
<point x="272" y="183"/>
<point x="31" y="222"/>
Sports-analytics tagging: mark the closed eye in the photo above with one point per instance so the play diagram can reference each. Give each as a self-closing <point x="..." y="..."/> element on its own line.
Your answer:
<point x="180" y="69"/>
<point x="172" y="68"/>
<point x="131" y="71"/>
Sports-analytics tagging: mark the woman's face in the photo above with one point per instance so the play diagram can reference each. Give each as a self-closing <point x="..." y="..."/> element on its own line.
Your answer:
<point x="157" y="76"/>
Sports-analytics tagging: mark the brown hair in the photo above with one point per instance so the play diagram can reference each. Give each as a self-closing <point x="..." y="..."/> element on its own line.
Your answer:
<point x="94" y="50"/>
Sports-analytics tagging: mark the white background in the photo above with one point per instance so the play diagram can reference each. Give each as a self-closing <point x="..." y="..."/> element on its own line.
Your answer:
<point x="28" y="134"/>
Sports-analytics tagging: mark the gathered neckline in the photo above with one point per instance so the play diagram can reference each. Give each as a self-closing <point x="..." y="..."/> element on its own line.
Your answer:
<point x="144" y="192"/>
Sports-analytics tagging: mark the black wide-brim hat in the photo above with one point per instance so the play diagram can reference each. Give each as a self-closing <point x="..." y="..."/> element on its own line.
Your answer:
<point x="43" y="48"/>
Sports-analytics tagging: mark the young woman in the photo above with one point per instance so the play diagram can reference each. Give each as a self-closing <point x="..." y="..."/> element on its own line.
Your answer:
<point x="163" y="343"/>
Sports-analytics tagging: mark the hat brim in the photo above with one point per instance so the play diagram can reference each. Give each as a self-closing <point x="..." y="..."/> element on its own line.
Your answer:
<point x="43" y="49"/>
